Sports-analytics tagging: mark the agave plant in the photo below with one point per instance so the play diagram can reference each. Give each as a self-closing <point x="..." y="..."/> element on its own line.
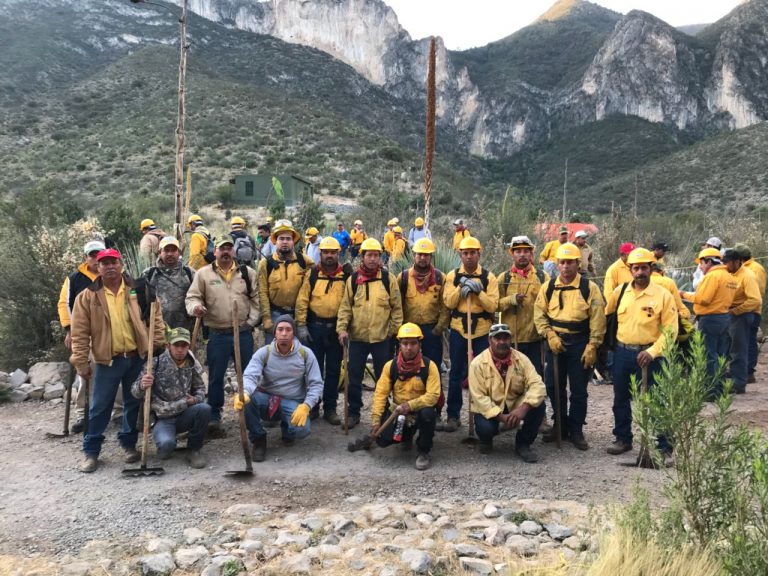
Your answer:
<point x="444" y="259"/>
<point x="135" y="262"/>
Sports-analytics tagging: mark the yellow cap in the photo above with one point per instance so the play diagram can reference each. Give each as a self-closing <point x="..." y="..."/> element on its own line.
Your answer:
<point x="168" y="241"/>
<point x="284" y="226"/>
<point x="419" y="221"/>
<point x="409" y="330"/>
<point x="568" y="251"/>
<point x="641" y="256"/>
<point x="370" y="244"/>
<point x="146" y="223"/>
<point x="423" y="246"/>
<point x="708" y="253"/>
<point x="311" y="231"/>
<point x="470" y="243"/>
<point x="392" y="222"/>
<point x="397" y="230"/>
<point x="358" y="222"/>
<point x="329" y="243"/>
<point x="237" y="221"/>
<point x="192" y="219"/>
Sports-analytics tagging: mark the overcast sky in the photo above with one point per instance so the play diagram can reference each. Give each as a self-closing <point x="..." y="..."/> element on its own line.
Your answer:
<point x="468" y="23"/>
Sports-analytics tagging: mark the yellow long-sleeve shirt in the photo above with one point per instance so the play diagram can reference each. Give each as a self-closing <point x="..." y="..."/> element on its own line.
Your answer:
<point x="669" y="285"/>
<point x="747" y="297"/>
<point x="280" y="287"/>
<point x="519" y="317"/>
<point x="417" y="393"/>
<point x="323" y="301"/>
<point x="574" y="309"/>
<point x="459" y="236"/>
<point x="483" y="307"/>
<point x="65" y="314"/>
<point x="398" y="248"/>
<point x="617" y="274"/>
<point x="123" y="339"/>
<point x="357" y="236"/>
<point x="759" y="271"/>
<point x="198" y="246"/>
<point x="644" y="316"/>
<point x="549" y="252"/>
<point x="715" y="292"/>
<point x="491" y="395"/>
<point x="370" y="313"/>
<point x="389" y="241"/>
<point x="427" y="308"/>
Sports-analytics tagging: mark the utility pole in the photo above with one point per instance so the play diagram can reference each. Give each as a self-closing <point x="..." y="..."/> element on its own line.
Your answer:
<point x="430" y="129"/>
<point x="565" y="190"/>
<point x="179" y="185"/>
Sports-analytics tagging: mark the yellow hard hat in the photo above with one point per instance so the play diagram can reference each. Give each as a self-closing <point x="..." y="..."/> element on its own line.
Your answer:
<point x="470" y="243"/>
<point x="284" y="226"/>
<point x="568" y="251"/>
<point x="329" y="243"/>
<point x="397" y="230"/>
<point x="358" y="222"/>
<point x="708" y="253"/>
<point x="641" y="256"/>
<point x="237" y="221"/>
<point x="371" y="244"/>
<point x="424" y="246"/>
<point x="419" y="221"/>
<point x="146" y="223"/>
<point x="392" y="222"/>
<point x="409" y="330"/>
<point x="193" y="218"/>
<point x="311" y="231"/>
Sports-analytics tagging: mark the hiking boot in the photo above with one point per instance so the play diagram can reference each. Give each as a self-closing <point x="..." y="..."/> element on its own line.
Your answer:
<point x="551" y="436"/>
<point x="131" y="455"/>
<point x="423" y="461"/>
<point x="451" y="425"/>
<point x="579" y="441"/>
<point x="314" y="414"/>
<point x="288" y="440"/>
<point x="619" y="447"/>
<point x="406" y="444"/>
<point x="526" y="454"/>
<point x="89" y="464"/>
<point x="752" y="379"/>
<point x="485" y="447"/>
<point x="196" y="459"/>
<point x="259" y="449"/>
<point x="77" y="427"/>
<point x="353" y="420"/>
<point x="332" y="418"/>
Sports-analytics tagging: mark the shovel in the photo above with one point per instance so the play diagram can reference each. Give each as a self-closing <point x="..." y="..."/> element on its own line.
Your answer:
<point x="144" y="470"/>
<point x="366" y="442"/>
<point x="471" y="438"/>
<point x="67" y="407"/>
<point x="248" y="472"/>
<point x="558" y="421"/>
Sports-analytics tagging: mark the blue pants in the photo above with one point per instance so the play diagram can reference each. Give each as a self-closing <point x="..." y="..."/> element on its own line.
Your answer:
<point x="221" y="348"/>
<point x="432" y="346"/>
<point x="104" y="385"/>
<point x="459" y="368"/>
<point x="714" y="328"/>
<point x="193" y="420"/>
<point x="358" y="354"/>
<point x="526" y="434"/>
<point x="426" y="418"/>
<point x="624" y="367"/>
<point x="329" y="354"/>
<point x="738" y="332"/>
<point x="532" y="351"/>
<point x="257" y="410"/>
<point x="753" y="349"/>
<point x="570" y="372"/>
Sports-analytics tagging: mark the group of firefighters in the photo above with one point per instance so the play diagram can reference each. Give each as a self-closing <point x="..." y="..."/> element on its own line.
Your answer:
<point x="514" y="339"/>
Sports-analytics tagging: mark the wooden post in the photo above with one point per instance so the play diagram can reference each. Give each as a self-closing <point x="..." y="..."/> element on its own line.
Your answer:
<point x="181" y="112"/>
<point x="430" y="136"/>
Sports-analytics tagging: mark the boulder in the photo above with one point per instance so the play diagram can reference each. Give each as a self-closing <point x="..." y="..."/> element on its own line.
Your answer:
<point x="521" y="545"/>
<point x="157" y="564"/>
<point x="17" y="378"/>
<point x="44" y="373"/>
<point x="188" y="557"/>
<point x="417" y="560"/>
<point x="558" y="531"/>
<point x="476" y="566"/>
<point x="193" y="535"/>
<point x="245" y="511"/>
<point x="53" y="390"/>
<point x="469" y="550"/>
<point x="530" y="527"/>
<point x="18" y="395"/>
<point x="221" y="565"/>
<point x="296" y="564"/>
<point x="34" y="391"/>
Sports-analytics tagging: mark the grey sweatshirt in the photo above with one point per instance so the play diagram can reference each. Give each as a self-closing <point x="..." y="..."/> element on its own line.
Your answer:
<point x="295" y="376"/>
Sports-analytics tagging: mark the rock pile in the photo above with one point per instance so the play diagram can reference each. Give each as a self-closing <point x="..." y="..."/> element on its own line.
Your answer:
<point x="45" y="381"/>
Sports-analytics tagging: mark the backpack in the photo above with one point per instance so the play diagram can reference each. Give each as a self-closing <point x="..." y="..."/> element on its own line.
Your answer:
<point x="423" y="373"/>
<point x="612" y="322"/>
<point x="209" y="255"/>
<point x="273" y="264"/>
<point x="315" y="272"/>
<point x="404" y="281"/>
<point x="244" y="250"/>
<point x="506" y="278"/>
<point x="581" y="326"/>
<point x="384" y="280"/>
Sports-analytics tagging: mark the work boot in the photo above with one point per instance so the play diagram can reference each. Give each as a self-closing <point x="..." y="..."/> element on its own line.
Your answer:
<point x="331" y="417"/>
<point x="551" y="436"/>
<point x="751" y="379"/>
<point x="353" y="420"/>
<point x="526" y="454"/>
<point x="579" y="441"/>
<point x="131" y="455"/>
<point x="619" y="447"/>
<point x="77" y="427"/>
<point x="196" y="459"/>
<point x="485" y="447"/>
<point x="451" y="425"/>
<point x="423" y="461"/>
<point x="259" y="449"/>
<point x="439" y="424"/>
<point x="89" y="464"/>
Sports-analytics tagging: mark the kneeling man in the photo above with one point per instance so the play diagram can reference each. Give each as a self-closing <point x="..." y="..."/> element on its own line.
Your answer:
<point x="282" y="382"/>
<point x="507" y="393"/>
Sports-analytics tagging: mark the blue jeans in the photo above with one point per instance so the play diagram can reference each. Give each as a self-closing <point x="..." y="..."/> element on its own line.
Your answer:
<point x="104" y="385"/>
<point x="532" y="351"/>
<point x="526" y="434"/>
<point x="358" y="354"/>
<point x="329" y="354"/>
<point x="459" y="368"/>
<point x="714" y="328"/>
<point x="221" y="348"/>
<point x="257" y="410"/>
<point x="193" y="420"/>
<point x="624" y="367"/>
<point x="753" y="349"/>
<point x="431" y="345"/>
<point x="570" y="372"/>
<point x="738" y="332"/>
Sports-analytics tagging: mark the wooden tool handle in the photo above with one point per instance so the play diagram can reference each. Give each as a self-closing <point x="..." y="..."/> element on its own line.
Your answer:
<point x="240" y="391"/>
<point x="386" y="423"/>
<point x="148" y="391"/>
<point x="195" y="334"/>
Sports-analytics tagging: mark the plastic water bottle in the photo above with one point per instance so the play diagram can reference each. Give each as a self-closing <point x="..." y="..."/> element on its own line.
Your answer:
<point x="398" y="436"/>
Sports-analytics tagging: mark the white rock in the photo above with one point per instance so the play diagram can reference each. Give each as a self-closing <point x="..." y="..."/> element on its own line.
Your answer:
<point x="443" y="522"/>
<point x="258" y="534"/>
<point x="296" y="564"/>
<point x="417" y="560"/>
<point x="53" y="390"/>
<point x="450" y="534"/>
<point x="215" y="568"/>
<point x="330" y="550"/>
<point x="469" y="550"/>
<point x="246" y="511"/>
<point x="158" y="545"/>
<point x="378" y="513"/>
<point x="477" y="524"/>
<point x="157" y="564"/>
<point x="4" y="377"/>
<point x="188" y="557"/>
<point x="521" y="545"/>
<point x="424" y="519"/>
<point x="36" y="391"/>
<point x="491" y="511"/>
<point x="530" y="527"/>
<point x="252" y="546"/>
<point x="44" y="373"/>
<point x="476" y="566"/>
<point x="495" y="535"/>
<point x="389" y="571"/>
<point x="193" y="535"/>
<point x="343" y="525"/>
<point x="558" y="531"/>
<point x="17" y="378"/>
<point x="285" y="538"/>
<point x="18" y="395"/>
<point x="312" y="523"/>
<point x="427" y="544"/>
<point x="574" y="543"/>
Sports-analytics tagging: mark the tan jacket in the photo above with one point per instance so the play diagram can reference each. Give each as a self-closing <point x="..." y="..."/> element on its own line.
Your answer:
<point x="150" y="242"/>
<point x="491" y="395"/>
<point x="91" y="326"/>
<point x="210" y="290"/>
<point x="369" y="314"/>
<point x="519" y="317"/>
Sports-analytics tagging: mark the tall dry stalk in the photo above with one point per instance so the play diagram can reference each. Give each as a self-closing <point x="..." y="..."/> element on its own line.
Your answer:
<point x="430" y="138"/>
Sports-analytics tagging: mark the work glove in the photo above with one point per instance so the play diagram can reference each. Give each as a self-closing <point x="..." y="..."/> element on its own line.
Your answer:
<point x="303" y="333"/>
<point x="555" y="343"/>
<point x="464" y="292"/>
<point x="267" y="325"/>
<point x="300" y="415"/>
<point x="239" y="405"/>
<point x="589" y="357"/>
<point x="474" y="285"/>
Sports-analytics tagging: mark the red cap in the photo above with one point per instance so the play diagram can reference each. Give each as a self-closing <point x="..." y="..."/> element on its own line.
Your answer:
<point x="108" y="253"/>
<point x="626" y="248"/>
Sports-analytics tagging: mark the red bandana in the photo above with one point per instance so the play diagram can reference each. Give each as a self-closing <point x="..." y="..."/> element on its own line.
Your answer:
<point x="363" y="275"/>
<point x="424" y="281"/>
<point x="520" y="272"/>
<point x="408" y="368"/>
<point x="502" y="364"/>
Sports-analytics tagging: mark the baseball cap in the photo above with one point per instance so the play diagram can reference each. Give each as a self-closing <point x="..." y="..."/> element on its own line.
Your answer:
<point x="94" y="246"/>
<point x="660" y="246"/>
<point x="226" y="239"/>
<point x="580" y="234"/>
<point x="497" y="329"/>
<point x="626" y="248"/>
<point x="108" y="253"/>
<point x="715" y="242"/>
<point x="179" y="335"/>
<point x="168" y="241"/>
<point x="563" y="230"/>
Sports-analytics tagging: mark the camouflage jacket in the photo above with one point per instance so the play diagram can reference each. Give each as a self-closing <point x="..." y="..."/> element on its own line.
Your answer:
<point x="172" y="384"/>
<point x="171" y="285"/>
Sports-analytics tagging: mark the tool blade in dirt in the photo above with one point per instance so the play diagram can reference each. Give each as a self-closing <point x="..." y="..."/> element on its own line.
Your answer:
<point x="558" y="421"/>
<point x="248" y="472"/>
<point x="67" y="408"/>
<point x="367" y="441"/>
<point x="86" y="406"/>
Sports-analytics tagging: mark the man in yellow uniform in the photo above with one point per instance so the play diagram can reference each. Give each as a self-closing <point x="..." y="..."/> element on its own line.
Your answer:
<point x="150" y="239"/>
<point x="570" y="313"/>
<point x="469" y="288"/>
<point x="317" y="310"/>
<point x="399" y="245"/>
<point x="459" y="233"/>
<point x="548" y="256"/>
<point x="389" y="238"/>
<point x="507" y="394"/>
<point x="518" y="288"/>
<point x="618" y="273"/>
<point x="712" y="303"/>
<point x="759" y="271"/>
<point x="685" y="327"/>
<point x="647" y="323"/>
<point x="358" y="236"/>
<point x="199" y="253"/>
<point x="746" y="303"/>
<point x="413" y="382"/>
<point x="281" y="276"/>
<point x="585" y="264"/>
<point x="369" y="315"/>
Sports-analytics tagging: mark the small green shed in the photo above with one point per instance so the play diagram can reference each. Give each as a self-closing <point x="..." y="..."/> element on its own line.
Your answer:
<point x="257" y="189"/>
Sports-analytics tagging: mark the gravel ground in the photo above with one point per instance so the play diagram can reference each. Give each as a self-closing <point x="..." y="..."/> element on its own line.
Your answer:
<point x="49" y="508"/>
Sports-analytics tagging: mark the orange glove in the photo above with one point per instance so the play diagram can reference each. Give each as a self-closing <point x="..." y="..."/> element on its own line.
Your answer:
<point x="555" y="344"/>
<point x="300" y="415"/>
<point x="589" y="357"/>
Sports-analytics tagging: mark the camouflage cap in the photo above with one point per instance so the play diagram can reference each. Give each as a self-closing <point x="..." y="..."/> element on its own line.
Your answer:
<point x="179" y="335"/>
